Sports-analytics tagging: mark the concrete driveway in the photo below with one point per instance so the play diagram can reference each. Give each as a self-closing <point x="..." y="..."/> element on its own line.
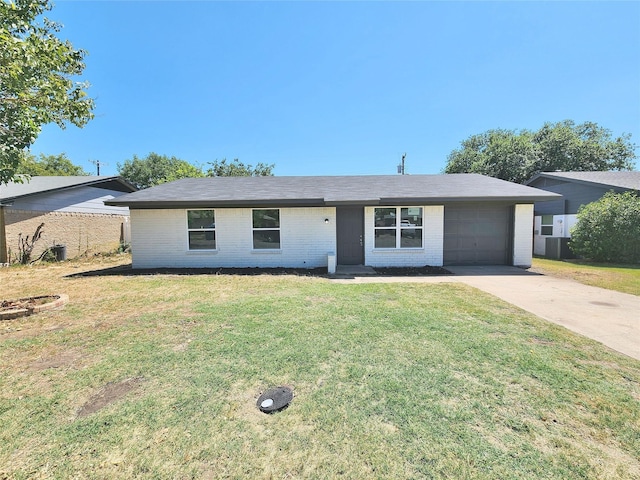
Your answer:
<point x="609" y="317"/>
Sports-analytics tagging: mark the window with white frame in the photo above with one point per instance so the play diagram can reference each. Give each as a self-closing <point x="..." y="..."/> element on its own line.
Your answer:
<point x="546" y="225"/>
<point x="201" y="226"/>
<point x="266" y="228"/>
<point x="398" y="227"/>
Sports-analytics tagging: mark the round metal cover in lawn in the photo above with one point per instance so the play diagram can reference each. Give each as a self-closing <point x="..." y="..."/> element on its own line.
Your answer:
<point x="275" y="399"/>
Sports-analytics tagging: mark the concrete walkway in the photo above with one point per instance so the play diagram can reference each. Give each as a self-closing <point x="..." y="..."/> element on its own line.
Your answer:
<point x="609" y="317"/>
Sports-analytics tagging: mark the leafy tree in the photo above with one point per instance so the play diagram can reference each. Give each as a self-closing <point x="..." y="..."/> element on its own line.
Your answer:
<point x="504" y="154"/>
<point x="608" y="230"/>
<point x="220" y="168"/>
<point x="37" y="85"/>
<point x="48" y="165"/>
<point x="518" y="156"/>
<point x="586" y="147"/>
<point x="156" y="169"/>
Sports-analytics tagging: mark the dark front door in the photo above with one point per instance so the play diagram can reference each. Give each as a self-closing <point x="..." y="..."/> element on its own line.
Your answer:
<point x="350" y="235"/>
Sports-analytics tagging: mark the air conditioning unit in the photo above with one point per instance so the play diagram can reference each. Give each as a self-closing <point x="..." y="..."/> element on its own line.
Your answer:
<point x="557" y="248"/>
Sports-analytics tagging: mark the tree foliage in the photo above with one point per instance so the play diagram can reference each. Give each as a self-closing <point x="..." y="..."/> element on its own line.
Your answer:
<point x="155" y="169"/>
<point x="37" y="85"/>
<point x="220" y="168"/>
<point x="608" y="230"/>
<point x="48" y="165"/>
<point x="517" y="156"/>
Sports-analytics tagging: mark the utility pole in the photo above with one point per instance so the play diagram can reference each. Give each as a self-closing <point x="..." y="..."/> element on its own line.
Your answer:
<point x="401" y="166"/>
<point x="97" y="164"/>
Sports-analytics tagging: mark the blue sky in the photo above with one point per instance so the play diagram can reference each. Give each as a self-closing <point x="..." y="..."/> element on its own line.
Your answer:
<point x="341" y="88"/>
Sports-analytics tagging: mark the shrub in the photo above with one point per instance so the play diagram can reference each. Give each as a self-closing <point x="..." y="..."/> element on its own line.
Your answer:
<point x="608" y="230"/>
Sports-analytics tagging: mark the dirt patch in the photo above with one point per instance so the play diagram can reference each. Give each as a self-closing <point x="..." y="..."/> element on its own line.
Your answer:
<point x="66" y="359"/>
<point x="412" y="271"/>
<point x="126" y="270"/>
<point x="32" y="302"/>
<point x="109" y="394"/>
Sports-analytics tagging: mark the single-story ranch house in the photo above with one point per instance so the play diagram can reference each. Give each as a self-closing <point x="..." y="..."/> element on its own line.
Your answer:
<point x="73" y="212"/>
<point x="310" y="222"/>
<point x="554" y="220"/>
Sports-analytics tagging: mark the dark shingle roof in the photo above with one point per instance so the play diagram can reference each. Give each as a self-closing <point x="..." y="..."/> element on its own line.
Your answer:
<point x="329" y="190"/>
<point x="43" y="184"/>
<point x="620" y="179"/>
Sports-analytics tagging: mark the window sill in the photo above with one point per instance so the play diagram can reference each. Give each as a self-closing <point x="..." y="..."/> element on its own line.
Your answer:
<point x="398" y="250"/>
<point x="201" y="252"/>
<point x="266" y="250"/>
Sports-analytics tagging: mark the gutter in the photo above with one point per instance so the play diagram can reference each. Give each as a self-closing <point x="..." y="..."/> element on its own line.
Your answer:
<point x="324" y="202"/>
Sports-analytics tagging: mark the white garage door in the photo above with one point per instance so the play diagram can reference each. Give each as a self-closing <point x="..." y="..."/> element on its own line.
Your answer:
<point x="477" y="234"/>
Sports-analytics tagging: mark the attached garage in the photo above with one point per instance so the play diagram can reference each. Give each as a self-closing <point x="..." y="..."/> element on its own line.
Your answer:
<point x="477" y="234"/>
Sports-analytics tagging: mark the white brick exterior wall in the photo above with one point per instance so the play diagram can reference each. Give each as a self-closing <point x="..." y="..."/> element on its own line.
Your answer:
<point x="523" y="235"/>
<point x="159" y="239"/>
<point x="430" y="254"/>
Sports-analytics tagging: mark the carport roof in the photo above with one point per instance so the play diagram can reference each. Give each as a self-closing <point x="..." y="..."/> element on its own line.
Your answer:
<point x="330" y="191"/>
<point x="38" y="185"/>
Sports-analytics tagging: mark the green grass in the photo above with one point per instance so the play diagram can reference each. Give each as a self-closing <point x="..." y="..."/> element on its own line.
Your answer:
<point x="390" y="381"/>
<point x="622" y="278"/>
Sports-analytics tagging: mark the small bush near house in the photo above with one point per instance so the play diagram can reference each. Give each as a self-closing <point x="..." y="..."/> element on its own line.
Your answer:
<point x="608" y="230"/>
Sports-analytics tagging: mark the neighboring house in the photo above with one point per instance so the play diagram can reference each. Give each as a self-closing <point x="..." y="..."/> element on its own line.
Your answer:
<point x="554" y="220"/>
<point x="73" y="212"/>
<point x="309" y="222"/>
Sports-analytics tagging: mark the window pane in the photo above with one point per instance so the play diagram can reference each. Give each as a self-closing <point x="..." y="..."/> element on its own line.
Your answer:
<point x="547" y="230"/>
<point x="385" y="238"/>
<point x="385" y="217"/>
<point x="266" y="239"/>
<point x="266" y="218"/>
<point x="411" y="216"/>
<point x="547" y="219"/>
<point x="411" y="238"/>
<point x="205" y="240"/>
<point x="200" y="219"/>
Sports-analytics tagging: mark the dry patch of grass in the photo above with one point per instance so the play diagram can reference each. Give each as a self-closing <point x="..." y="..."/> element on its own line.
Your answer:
<point x="622" y="278"/>
<point x="157" y="376"/>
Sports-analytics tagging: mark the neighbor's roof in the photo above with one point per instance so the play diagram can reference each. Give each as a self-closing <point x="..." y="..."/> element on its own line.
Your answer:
<point x="620" y="179"/>
<point x="44" y="184"/>
<point x="329" y="190"/>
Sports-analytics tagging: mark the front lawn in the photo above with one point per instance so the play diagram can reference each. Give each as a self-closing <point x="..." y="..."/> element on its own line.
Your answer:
<point x="622" y="278"/>
<point x="157" y="376"/>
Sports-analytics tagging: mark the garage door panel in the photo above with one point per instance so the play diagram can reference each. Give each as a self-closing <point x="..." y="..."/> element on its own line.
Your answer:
<point x="468" y="227"/>
<point x="487" y="215"/>
<point x="476" y="234"/>
<point x="488" y="244"/>
<point x="488" y="230"/>
<point x="466" y="243"/>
